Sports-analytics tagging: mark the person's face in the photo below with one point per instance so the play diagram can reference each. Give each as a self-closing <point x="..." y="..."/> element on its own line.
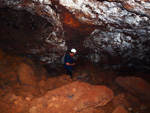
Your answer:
<point x="72" y="54"/>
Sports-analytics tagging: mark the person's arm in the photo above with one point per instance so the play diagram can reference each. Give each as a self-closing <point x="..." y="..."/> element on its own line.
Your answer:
<point x="69" y="64"/>
<point x="67" y="60"/>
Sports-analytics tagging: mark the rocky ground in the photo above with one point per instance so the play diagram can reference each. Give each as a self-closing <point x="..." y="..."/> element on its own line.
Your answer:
<point x="27" y="88"/>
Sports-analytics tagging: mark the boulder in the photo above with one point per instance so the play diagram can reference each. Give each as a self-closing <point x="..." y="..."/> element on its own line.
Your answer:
<point x="93" y="110"/>
<point x="120" y="110"/>
<point x="120" y="100"/>
<point x="74" y="97"/>
<point x="64" y="77"/>
<point x="12" y="98"/>
<point x="53" y="83"/>
<point x="126" y="100"/>
<point x="136" y="85"/>
<point x="26" y="75"/>
<point x="42" y="83"/>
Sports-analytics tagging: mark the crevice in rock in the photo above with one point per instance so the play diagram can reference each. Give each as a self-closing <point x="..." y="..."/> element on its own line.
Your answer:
<point x="21" y="31"/>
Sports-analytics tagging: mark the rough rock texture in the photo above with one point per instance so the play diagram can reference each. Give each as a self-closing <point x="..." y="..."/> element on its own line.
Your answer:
<point x="74" y="97"/>
<point x="10" y="98"/>
<point x="15" y="98"/>
<point x="120" y="100"/>
<point x="127" y="101"/>
<point x="140" y="7"/>
<point x="135" y="85"/>
<point x="119" y="110"/>
<point x="71" y="98"/>
<point x="26" y="75"/>
<point x="36" y="29"/>
<point x="108" y="32"/>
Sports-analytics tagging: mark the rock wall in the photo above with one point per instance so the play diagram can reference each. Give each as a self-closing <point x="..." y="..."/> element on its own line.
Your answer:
<point x="122" y="32"/>
<point x="36" y="27"/>
<point x="112" y="32"/>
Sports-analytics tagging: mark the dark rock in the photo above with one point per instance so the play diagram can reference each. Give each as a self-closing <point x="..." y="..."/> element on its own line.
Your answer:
<point x="105" y="32"/>
<point x="84" y="77"/>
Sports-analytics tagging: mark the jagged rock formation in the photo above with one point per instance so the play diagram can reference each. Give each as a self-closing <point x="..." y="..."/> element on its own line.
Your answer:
<point x="107" y="32"/>
<point x="39" y="25"/>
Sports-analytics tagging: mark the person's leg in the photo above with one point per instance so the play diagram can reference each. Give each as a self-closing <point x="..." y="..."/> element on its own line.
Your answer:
<point x="69" y="72"/>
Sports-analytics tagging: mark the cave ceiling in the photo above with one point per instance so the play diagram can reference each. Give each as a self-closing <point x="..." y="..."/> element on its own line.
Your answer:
<point x="103" y="31"/>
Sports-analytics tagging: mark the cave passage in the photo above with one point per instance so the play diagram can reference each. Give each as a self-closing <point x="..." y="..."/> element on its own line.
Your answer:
<point x="21" y="80"/>
<point x="21" y="32"/>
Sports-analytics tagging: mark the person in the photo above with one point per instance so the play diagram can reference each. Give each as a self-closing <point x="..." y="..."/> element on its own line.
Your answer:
<point x="69" y="62"/>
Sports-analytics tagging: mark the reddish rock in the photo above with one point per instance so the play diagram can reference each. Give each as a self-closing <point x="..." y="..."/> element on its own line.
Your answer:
<point x="126" y="100"/>
<point x="135" y="85"/>
<point x="12" y="98"/>
<point x="1" y="90"/>
<point x="64" y="77"/>
<point x="93" y="110"/>
<point x="74" y="97"/>
<point x="121" y="100"/>
<point x="19" y="107"/>
<point x="119" y="110"/>
<point x="68" y="19"/>
<point x="53" y="83"/>
<point x="42" y="83"/>
<point x="26" y="75"/>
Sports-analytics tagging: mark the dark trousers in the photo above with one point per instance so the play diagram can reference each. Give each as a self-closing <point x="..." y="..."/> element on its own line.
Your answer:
<point x="69" y="72"/>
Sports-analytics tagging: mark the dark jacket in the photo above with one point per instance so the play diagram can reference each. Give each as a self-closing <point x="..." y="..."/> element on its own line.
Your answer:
<point x="68" y="59"/>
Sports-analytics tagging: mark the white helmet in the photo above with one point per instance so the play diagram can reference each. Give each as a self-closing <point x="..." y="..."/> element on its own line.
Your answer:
<point x="73" y="50"/>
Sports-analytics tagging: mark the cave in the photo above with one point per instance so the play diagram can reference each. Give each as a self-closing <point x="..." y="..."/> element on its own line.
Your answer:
<point x="112" y="62"/>
<point x="21" y="31"/>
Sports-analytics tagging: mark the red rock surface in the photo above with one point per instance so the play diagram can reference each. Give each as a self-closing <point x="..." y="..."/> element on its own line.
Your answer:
<point x="119" y="110"/>
<point x="120" y="100"/>
<point x="68" y="96"/>
<point x="26" y="75"/>
<point x="135" y="85"/>
<point x="74" y="97"/>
